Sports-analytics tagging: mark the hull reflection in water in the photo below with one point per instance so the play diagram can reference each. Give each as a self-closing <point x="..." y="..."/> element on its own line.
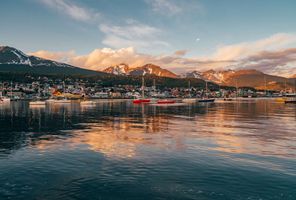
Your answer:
<point x="118" y="150"/>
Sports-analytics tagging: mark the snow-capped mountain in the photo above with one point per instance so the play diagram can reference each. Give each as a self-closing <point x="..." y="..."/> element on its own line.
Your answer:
<point x="217" y="76"/>
<point x="14" y="60"/>
<point x="193" y="74"/>
<point x="242" y="78"/>
<point x="148" y="69"/>
<point x="151" y="69"/>
<point x="121" y="69"/>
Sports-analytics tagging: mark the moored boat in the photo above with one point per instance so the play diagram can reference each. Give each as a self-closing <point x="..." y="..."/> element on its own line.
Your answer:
<point x="37" y="103"/>
<point x="290" y="101"/>
<point x="166" y="101"/>
<point x="189" y="100"/>
<point x="139" y="101"/>
<point x="205" y="100"/>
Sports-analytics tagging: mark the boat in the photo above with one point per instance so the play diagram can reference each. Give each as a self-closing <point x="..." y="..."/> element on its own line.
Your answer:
<point x="189" y="100"/>
<point x="50" y="100"/>
<point x="37" y="103"/>
<point x="290" y="101"/>
<point x="280" y="100"/>
<point x="143" y="99"/>
<point x="64" y="100"/>
<point x="205" y="100"/>
<point x="166" y="101"/>
<point x="139" y="101"/>
<point x="4" y="99"/>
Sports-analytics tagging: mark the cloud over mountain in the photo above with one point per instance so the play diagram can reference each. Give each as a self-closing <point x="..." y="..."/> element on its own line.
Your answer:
<point x="267" y="55"/>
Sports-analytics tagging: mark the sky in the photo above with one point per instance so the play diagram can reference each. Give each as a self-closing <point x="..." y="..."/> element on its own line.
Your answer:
<point x="179" y="35"/>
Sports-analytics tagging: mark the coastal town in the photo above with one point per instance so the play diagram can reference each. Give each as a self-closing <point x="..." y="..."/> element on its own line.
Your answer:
<point x="73" y="89"/>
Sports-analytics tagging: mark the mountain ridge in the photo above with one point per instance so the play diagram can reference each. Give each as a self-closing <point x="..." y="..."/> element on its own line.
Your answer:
<point x="14" y="60"/>
<point x="147" y="69"/>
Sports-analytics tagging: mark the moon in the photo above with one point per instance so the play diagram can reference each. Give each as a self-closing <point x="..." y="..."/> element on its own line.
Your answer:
<point x="197" y="39"/>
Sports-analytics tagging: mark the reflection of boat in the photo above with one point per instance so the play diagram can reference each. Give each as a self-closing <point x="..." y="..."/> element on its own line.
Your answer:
<point x="87" y="103"/>
<point x="228" y="99"/>
<point x="62" y="101"/>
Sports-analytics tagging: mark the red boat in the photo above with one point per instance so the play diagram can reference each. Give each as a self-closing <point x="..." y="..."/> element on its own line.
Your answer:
<point x="139" y="101"/>
<point x="166" y="102"/>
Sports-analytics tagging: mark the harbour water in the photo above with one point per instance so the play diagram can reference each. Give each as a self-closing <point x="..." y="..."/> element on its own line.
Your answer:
<point x="116" y="150"/>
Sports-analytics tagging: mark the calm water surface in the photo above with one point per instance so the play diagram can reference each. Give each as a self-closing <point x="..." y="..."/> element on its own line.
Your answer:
<point x="116" y="150"/>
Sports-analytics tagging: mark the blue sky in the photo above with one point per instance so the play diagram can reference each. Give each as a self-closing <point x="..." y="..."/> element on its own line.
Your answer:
<point x="199" y="31"/>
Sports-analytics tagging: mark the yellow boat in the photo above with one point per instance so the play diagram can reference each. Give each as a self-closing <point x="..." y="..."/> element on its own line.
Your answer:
<point x="280" y="100"/>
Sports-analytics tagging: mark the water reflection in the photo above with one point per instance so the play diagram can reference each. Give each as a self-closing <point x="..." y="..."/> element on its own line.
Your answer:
<point x="122" y="129"/>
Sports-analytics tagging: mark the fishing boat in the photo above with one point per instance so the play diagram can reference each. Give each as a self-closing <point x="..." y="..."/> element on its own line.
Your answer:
<point x="166" y="101"/>
<point x="142" y="99"/>
<point x="138" y="101"/>
<point x="4" y="99"/>
<point x="50" y="100"/>
<point x="189" y="100"/>
<point x="206" y="99"/>
<point x="37" y="103"/>
<point x="64" y="100"/>
<point x="290" y="101"/>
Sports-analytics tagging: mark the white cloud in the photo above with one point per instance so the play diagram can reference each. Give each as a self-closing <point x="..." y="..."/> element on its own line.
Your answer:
<point x="271" y="55"/>
<point x="72" y="10"/>
<point x="164" y="6"/>
<point x="175" y="7"/>
<point x="237" y="51"/>
<point x="133" y="34"/>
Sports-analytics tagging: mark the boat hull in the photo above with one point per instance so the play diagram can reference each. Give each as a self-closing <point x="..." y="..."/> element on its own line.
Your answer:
<point x="206" y="100"/>
<point x="139" y="101"/>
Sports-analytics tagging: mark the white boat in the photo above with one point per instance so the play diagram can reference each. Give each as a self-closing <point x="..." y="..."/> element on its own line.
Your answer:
<point x="4" y="99"/>
<point x="87" y="103"/>
<point x="50" y="100"/>
<point x="37" y="103"/>
<point x="189" y="100"/>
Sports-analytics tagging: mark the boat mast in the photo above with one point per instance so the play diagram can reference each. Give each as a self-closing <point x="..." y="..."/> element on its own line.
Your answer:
<point x="236" y="88"/>
<point x="189" y="88"/>
<point x="143" y="87"/>
<point x="265" y="85"/>
<point x="207" y="89"/>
